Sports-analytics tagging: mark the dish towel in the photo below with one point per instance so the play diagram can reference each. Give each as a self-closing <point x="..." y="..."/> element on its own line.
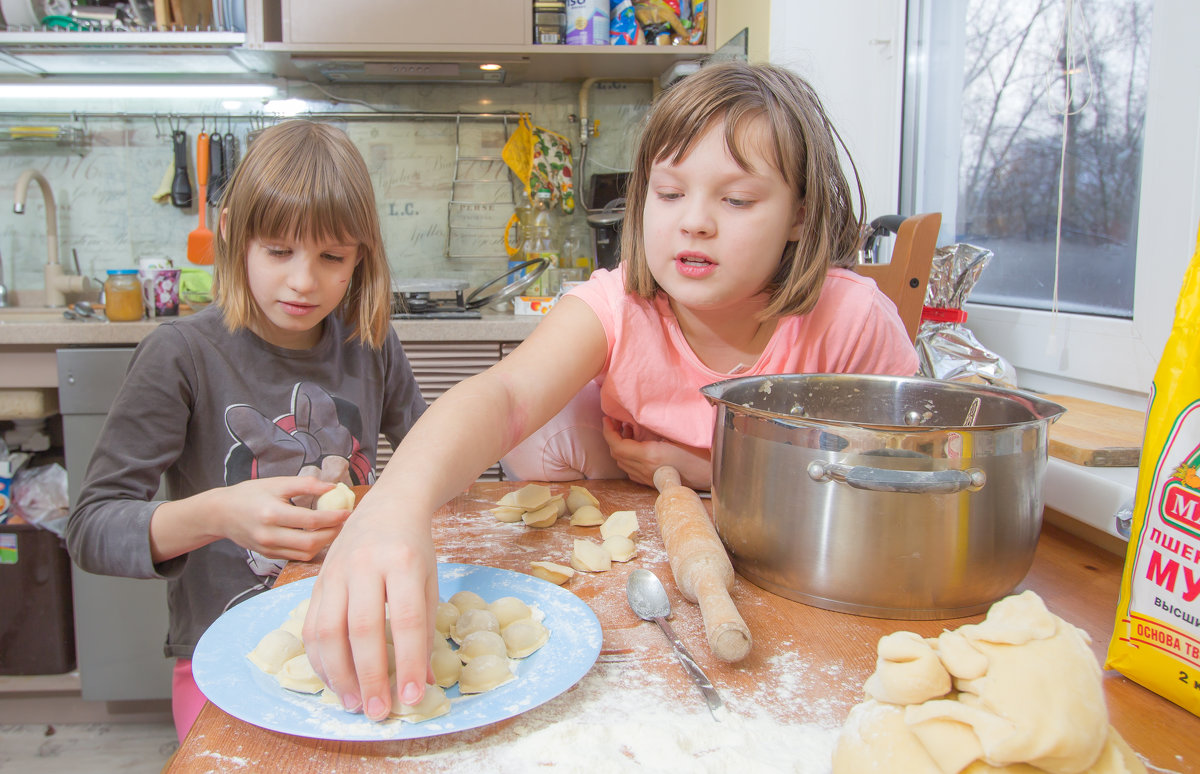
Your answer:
<point x="541" y="158"/>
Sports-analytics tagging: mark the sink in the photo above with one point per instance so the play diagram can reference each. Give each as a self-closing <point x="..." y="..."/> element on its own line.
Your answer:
<point x="30" y="314"/>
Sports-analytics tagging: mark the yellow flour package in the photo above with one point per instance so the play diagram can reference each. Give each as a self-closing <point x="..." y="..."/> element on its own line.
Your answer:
<point x="1157" y="637"/>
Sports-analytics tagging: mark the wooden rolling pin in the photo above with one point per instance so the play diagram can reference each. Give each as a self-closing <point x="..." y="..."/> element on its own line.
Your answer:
<point x="698" y="561"/>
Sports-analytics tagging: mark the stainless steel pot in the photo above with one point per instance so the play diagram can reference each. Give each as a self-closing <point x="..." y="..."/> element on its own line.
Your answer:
<point x="872" y="494"/>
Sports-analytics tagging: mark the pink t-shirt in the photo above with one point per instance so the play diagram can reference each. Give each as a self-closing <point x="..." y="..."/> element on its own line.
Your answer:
<point x="651" y="380"/>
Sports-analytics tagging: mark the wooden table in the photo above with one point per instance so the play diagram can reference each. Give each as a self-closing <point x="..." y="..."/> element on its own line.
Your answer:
<point x="805" y="671"/>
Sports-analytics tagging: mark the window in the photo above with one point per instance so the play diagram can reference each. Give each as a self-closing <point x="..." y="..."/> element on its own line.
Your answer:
<point x="983" y="126"/>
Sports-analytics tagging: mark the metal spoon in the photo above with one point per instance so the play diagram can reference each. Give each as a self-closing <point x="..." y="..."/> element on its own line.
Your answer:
<point x="649" y="600"/>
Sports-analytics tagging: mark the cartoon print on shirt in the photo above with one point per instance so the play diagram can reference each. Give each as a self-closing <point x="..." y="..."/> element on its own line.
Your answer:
<point x="319" y="436"/>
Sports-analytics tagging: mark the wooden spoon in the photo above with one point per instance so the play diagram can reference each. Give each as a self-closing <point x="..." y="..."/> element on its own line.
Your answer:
<point x="200" y="241"/>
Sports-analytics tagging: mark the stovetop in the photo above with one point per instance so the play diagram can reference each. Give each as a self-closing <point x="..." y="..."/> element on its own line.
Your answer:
<point x="436" y="299"/>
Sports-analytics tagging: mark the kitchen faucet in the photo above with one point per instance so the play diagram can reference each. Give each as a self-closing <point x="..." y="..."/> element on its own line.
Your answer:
<point x="57" y="282"/>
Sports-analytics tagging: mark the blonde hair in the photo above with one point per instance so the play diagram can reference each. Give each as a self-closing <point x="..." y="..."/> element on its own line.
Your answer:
<point x="805" y="152"/>
<point x="303" y="180"/>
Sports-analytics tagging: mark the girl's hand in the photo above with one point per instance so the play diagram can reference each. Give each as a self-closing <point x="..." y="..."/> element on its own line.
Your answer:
<point x="259" y="515"/>
<point x="639" y="459"/>
<point x="381" y="558"/>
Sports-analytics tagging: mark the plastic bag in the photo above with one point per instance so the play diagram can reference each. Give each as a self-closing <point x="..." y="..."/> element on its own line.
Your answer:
<point x="1156" y="641"/>
<point x="947" y="349"/>
<point x="40" y="497"/>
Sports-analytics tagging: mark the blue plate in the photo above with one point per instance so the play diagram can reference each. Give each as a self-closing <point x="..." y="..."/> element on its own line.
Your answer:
<point x="235" y="685"/>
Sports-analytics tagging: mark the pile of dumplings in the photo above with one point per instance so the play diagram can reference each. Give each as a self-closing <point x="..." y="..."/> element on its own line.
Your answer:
<point x="536" y="506"/>
<point x="487" y="636"/>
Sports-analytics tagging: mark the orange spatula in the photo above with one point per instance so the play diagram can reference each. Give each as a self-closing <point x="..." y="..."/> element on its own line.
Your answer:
<point x="200" y="241"/>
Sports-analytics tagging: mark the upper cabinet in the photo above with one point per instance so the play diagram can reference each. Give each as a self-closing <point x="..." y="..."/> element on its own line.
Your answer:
<point x="346" y="41"/>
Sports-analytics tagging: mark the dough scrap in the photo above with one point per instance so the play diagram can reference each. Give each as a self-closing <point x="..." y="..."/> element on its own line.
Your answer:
<point x="580" y="496"/>
<point x="620" y="548"/>
<point x="587" y="516"/>
<point x="1026" y="696"/>
<point x="484" y="674"/>
<point x="340" y="498"/>
<point x="509" y="609"/>
<point x="274" y="650"/>
<point x="589" y="557"/>
<point x="623" y="523"/>
<point x="558" y="574"/>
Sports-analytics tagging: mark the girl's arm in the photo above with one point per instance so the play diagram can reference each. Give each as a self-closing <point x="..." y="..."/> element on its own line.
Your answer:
<point x="385" y="551"/>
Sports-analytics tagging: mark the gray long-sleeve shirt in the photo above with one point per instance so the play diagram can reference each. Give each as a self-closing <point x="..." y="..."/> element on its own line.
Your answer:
<point x="208" y="409"/>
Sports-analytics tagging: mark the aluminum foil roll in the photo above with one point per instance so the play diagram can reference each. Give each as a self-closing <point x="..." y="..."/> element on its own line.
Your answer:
<point x="948" y="349"/>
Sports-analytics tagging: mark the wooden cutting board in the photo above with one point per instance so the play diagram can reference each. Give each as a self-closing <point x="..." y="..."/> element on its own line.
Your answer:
<point x="1096" y="434"/>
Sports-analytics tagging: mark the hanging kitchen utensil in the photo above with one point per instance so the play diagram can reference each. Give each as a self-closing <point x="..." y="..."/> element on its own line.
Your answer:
<point x="181" y="186"/>
<point x="200" y="241"/>
<point x="216" y="169"/>
<point x="230" y="154"/>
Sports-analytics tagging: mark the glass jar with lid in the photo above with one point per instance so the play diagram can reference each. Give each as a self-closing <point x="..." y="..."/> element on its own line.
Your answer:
<point x="123" y="296"/>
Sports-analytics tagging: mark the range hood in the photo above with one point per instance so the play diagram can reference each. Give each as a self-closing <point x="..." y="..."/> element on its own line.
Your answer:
<point x="378" y="70"/>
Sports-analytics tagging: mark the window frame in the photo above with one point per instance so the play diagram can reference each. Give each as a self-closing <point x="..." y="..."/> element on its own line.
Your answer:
<point x="1102" y="358"/>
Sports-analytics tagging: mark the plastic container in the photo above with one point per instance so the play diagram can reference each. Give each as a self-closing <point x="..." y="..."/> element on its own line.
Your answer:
<point x="549" y="22"/>
<point x="123" y="296"/>
<point x="37" y="630"/>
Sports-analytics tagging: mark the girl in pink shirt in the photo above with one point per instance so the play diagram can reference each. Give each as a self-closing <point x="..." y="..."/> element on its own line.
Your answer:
<point x="738" y="213"/>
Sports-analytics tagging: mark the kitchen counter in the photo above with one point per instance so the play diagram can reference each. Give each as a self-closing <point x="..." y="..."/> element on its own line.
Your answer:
<point x="803" y="675"/>
<point x="492" y="326"/>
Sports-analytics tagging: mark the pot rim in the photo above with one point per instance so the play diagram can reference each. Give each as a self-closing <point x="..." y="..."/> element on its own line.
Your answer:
<point x="1042" y="410"/>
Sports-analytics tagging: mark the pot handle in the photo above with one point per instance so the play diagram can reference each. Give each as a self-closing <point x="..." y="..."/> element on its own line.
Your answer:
<point x="912" y="481"/>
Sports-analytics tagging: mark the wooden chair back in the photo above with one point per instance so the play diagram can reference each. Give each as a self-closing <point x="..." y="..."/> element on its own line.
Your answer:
<point x="905" y="278"/>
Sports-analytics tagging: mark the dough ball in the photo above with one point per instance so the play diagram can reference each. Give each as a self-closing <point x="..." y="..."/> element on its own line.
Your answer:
<point x="444" y="617"/>
<point x="433" y="704"/>
<point x="907" y="671"/>
<point x="620" y="548"/>
<point x="340" y="498"/>
<point x="509" y="514"/>
<point x="484" y="674"/>
<point x="467" y="600"/>
<point x="522" y="638"/>
<point x="542" y="517"/>
<point x="590" y="557"/>
<point x="481" y="643"/>
<point x="623" y="523"/>
<point x="587" y="516"/>
<point x="446" y="666"/>
<point x="471" y="621"/>
<point x="558" y="574"/>
<point x="579" y="497"/>
<point x="298" y="675"/>
<point x="509" y="609"/>
<point x="274" y="650"/>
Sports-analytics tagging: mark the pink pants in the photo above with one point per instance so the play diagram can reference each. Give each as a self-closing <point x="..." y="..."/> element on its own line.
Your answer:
<point x="570" y="446"/>
<point x="186" y="699"/>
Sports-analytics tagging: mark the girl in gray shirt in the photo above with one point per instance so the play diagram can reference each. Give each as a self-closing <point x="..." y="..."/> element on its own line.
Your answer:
<point x="253" y="407"/>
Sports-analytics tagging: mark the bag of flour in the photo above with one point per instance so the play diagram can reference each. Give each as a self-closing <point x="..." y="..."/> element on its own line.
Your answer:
<point x="1157" y="637"/>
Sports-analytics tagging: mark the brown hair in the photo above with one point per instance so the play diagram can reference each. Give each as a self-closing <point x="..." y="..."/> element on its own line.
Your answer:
<point x="305" y="180"/>
<point x="805" y="152"/>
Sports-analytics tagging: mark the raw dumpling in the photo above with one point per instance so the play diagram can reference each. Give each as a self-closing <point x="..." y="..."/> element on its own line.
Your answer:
<point x="586" y="516"/>
<point x="590" y="557"/>
<point x="509" y="609"/>
<point x="274" y="650"/>
<point x="431" y="705"/>
<point x="542" y="517"/>
<point x="484" y="674"/>
<point x="467" y="600"/>
<point x="509" y="514"/>
<point x="529" y="497"/>
<point x="620" y="548"/>
<point x="579" y="497"/>
<point x="522" y="638"/>
<point x="446" y="666"/>
<point x="474" y="621"/>
<point x="444" y="618"/>
<point x="623" y="523"/>
<point x="340" y="498"/>
<point x="298" y="675"/>
<point x="557" y="574"/>
<point x="481" y="643"/>
<point x="295" y="620"/>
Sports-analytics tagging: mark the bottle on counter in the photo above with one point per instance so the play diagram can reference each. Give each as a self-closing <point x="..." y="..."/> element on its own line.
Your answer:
<point x="576" y="258"/>
<point x="123" y="296"/>
<point x="541" y="244"/>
